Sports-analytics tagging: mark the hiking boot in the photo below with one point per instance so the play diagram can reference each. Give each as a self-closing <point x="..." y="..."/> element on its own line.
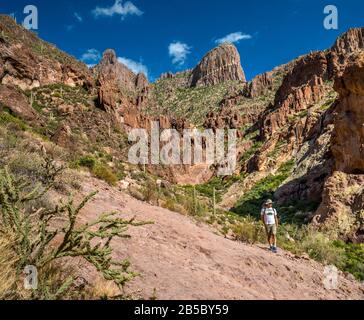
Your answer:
<point x="274" y="249"/>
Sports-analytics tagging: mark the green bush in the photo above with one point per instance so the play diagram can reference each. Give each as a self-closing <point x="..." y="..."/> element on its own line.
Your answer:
<point x="353" y="258"/>
<point x="219" y="183"/>
<point x="104" y="172"/>
<point x="251" y="202"/>
<point x="98" y="169"/>
<point x="321" y="248"/>
<point x="6" y="118"/>
<point x="87" y="161"/>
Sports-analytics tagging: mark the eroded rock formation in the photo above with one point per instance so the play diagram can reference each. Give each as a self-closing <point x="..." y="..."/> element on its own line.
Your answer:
<point x="348" y="135"/>
<point x="219" y="65"/>
<point x="119" y="89"/>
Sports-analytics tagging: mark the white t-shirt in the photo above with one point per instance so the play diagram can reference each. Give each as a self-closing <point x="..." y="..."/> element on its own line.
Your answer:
<point x="269" y="215"/>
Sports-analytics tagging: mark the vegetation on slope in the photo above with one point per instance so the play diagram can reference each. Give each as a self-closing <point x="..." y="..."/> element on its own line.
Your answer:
<point x="175" y="98"/>
<point x="35" y="230"/>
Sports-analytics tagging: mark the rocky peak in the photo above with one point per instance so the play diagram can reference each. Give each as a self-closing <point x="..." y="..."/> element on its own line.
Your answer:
<point x="141" y="81"/>
<point x="109" y="57"/>
<point x="119" y="87"/>
<point x="349" y="42"/>
<point x="111" y="70"/>
<point x="219" y="65"/>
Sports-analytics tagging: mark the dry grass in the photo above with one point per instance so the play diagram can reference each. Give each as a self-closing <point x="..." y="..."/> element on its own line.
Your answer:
<point x="8" y="261"/>
<point x="104" y="290"/>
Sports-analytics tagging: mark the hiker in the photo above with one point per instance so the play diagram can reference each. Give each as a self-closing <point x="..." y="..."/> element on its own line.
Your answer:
<point x="270" y="220"/>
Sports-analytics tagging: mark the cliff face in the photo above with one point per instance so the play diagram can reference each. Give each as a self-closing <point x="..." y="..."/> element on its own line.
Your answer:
<point x="348" y="136"/>
<point x="342" y="205"/>
<point x="219" y="65"/>
<point x="259" y="85"/>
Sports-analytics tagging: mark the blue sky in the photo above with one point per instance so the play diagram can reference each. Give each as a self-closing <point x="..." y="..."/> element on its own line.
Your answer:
<point x="157" y="36"/>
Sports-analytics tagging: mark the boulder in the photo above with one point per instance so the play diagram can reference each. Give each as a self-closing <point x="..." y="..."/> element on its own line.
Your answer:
<point x="13" y="99"/>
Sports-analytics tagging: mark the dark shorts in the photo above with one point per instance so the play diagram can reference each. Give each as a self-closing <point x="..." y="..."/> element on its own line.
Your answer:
<point x="271" y="230"/>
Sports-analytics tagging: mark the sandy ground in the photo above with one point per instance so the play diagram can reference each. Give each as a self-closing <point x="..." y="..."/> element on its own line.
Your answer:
<point x="182" y="259"/>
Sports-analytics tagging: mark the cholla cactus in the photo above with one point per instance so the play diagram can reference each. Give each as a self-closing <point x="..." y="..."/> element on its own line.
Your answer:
<point x="34" y="230"/>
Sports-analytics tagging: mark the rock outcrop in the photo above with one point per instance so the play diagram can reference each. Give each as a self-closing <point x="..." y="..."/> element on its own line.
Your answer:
<point x="14" y="100"/>
<point x="349" y="42"/>
<point x="119" y="88"/>
<point x="348" y="136"/>
<point x="219" y="65"/>
<point x="302" y="87"/>
<point x="111" y="70"/>
<point x="342" y="205"/>
<point x="260" y="85"/>
<point x="28" y="62"/>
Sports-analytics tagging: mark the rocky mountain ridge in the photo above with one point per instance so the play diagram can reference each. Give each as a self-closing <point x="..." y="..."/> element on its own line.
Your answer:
<point x="289" y="114"/>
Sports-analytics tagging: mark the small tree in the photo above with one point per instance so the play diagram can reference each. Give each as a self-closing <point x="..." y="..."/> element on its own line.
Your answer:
<point x="34" y="230"/>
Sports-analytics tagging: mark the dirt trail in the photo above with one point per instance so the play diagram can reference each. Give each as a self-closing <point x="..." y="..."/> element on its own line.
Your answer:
<point x="182" y="259"/>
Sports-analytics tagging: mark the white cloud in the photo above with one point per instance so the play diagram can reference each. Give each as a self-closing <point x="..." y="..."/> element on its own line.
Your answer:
<point x="179" y="52"/>
<point x="118" y="8"/>
<point x="78" y="17"/>
<point x="234" y="37"/>
<point x="134" y="66"/>
<point x="91" y="55"/>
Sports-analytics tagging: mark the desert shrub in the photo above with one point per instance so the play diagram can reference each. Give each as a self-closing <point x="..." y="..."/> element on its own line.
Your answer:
<point x="193" y="205"/>
<point x="98" y="168"/>
<point x="321" y="248"/>
<point x="33" y="230"/>
<point x="150" y="192"/>
<point x="103" y="172"/>
<point x="249" y="230"/>
<point x="87" y="161"/>
<point x="220" y="184"/>
<point x="6" y="118"/>
<point x="136" y="193"/>
<point x="353" y="258"/>
<point x="289" y="211"/>
<point x="25" y="163"/>
<point x="172" y="205"/>
<point x="249" y="153"/>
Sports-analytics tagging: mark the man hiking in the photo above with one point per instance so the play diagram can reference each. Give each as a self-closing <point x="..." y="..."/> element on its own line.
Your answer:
<point x="270" y="220"/>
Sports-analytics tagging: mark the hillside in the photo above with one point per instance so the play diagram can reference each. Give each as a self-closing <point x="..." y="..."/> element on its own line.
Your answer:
<point x="183" y="259"/>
